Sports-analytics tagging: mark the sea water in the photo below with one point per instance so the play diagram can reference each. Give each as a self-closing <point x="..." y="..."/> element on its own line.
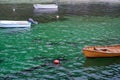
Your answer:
<point x="28" y="54"/>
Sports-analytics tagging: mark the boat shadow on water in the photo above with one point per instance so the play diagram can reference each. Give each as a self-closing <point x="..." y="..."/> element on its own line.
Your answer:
<point x="91" y="62"/>
<point x="1" y="60"/>
<point x="13" y="30"/>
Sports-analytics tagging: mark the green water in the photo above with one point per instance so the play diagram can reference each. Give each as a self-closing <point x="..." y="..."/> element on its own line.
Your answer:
<point x="28" y="54"/>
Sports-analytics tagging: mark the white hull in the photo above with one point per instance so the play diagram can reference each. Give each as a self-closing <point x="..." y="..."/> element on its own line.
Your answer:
<point x="42" y="11"/>
<point x="17" y="24"/>
<point x="49" y="6"/>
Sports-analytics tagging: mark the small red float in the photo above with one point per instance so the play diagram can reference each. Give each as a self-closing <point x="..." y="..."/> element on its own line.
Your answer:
<point x="56" y="61"/>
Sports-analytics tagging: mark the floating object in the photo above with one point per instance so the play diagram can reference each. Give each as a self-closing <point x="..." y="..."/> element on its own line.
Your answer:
<point x="50" y="6"/>
<point x="17" y="24"/>
<point x="13" y="9"/>
<point x="57" y="16"/>
<point x="56" y="61"/>
<point x="32" y="21"/>
<point x="102" y="51"/>
<point x="40" y="9"/>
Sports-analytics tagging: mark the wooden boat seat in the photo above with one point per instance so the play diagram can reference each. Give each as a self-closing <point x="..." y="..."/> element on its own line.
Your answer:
<point x="108" y="50"/>
<point x="102" y="50"/>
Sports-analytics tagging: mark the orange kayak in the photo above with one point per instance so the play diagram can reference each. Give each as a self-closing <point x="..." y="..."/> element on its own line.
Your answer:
<point x="102" y="51"/>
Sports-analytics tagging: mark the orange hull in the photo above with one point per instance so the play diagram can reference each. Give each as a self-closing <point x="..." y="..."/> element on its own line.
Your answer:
<point x="102" y="51"/>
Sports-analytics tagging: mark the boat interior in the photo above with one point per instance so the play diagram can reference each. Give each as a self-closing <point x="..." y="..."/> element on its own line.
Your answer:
<point x="106" y="49"/>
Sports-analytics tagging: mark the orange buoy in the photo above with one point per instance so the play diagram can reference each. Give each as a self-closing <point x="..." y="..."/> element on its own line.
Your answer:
<point x="56" y="61"/>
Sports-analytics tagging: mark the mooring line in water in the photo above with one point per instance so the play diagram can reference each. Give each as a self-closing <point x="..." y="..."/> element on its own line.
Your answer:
<point x="69" y="74"/>
<point x="6" y="78"/>
<point x="46" y="65"/>
<point x="34" y="68"/>
<point x="28" y="70"/>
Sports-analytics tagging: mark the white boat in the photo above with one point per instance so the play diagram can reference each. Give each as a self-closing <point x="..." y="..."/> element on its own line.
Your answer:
<point x="50" y="6"/>
<point x="45" y="11"/>
<point x="17" y="24"/>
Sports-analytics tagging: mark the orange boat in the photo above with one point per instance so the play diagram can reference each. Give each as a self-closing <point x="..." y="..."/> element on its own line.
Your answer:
<point x="102" y="51"/>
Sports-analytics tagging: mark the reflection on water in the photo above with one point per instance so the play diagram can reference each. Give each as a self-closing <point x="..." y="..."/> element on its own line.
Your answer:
<point x="25" y="11"/>
<point x="22" y="12"/>
<point x="13" y="30"/>
<point x="95" y="9"/>
<point x="91" y="62"/>
<point x="45" y="11"/>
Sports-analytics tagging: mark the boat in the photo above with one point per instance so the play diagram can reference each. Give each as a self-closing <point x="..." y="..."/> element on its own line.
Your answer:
<point x="12" y="23"/>
<point x="102" y="51"/>
<point x="45" y="11"/>
<point x="45" y="6"/>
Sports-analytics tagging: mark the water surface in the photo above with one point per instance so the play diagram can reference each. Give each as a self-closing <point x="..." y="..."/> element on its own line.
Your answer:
<point x="28" y="54"/>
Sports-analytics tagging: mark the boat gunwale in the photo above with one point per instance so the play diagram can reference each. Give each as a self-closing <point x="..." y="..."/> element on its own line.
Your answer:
<point x="102" y="52"/>
<point x="6" y="22"/>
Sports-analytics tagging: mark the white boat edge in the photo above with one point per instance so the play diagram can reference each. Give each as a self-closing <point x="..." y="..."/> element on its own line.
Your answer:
<point x="46" y="6"/>
<point x="17" y="24"/>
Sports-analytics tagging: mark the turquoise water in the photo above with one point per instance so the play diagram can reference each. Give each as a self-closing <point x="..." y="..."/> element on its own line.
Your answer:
<point x="28" y="53"/>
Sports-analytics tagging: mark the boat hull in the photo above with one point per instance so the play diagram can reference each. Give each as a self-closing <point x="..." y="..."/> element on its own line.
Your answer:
<point x="17" y="24"/>
<point x="114" y="51"/>
<point x="45" y="6"/>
